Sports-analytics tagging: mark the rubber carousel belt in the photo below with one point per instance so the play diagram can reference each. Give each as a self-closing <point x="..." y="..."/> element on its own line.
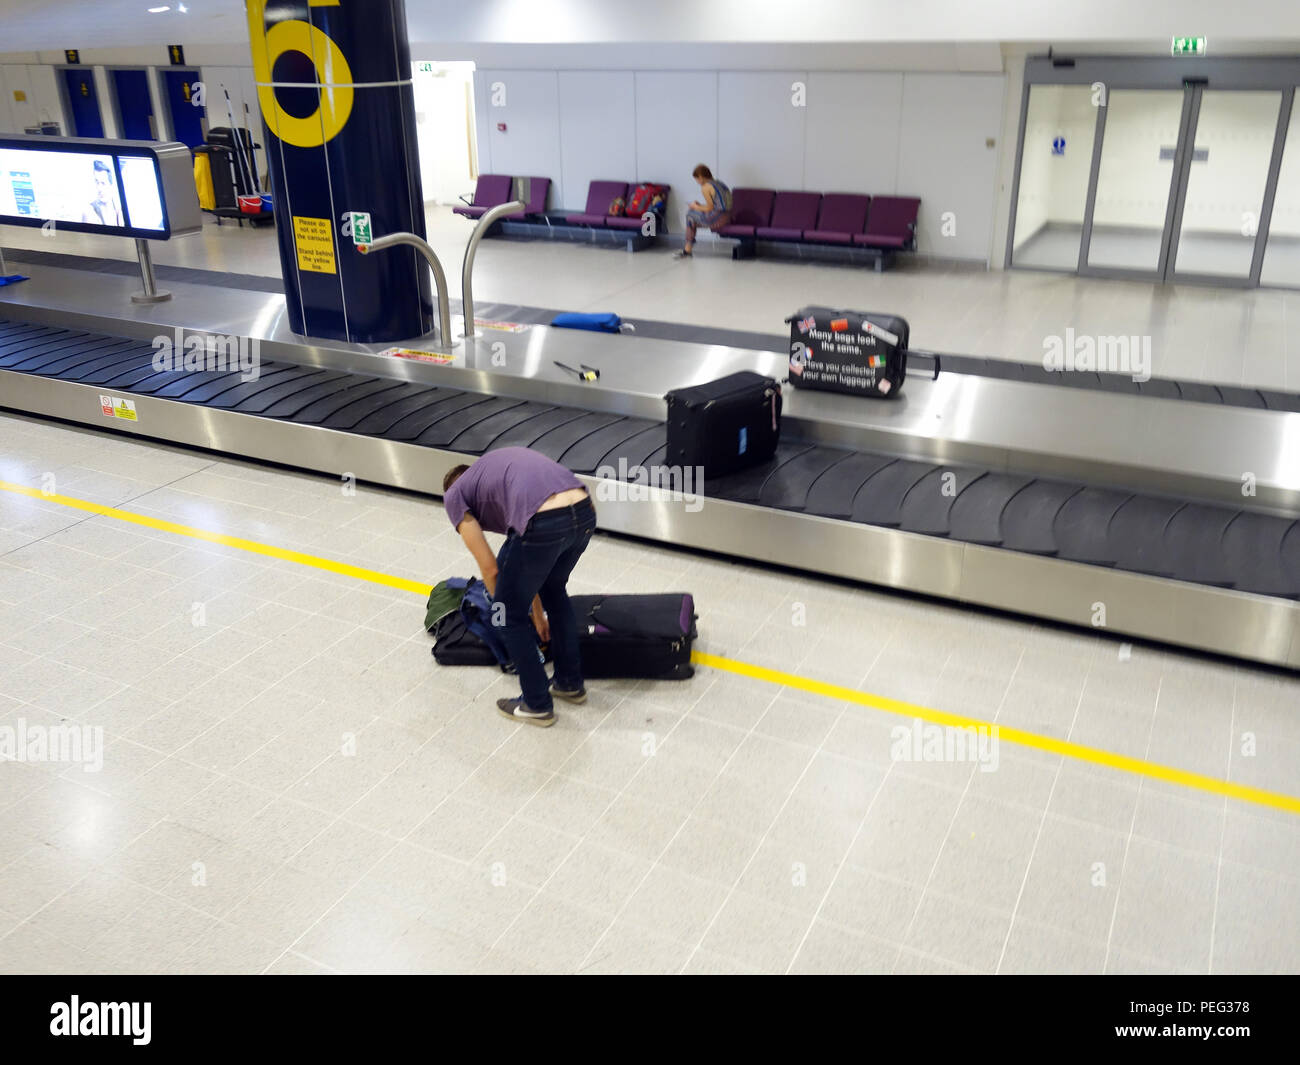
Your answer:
<point x="1215" y="545"/>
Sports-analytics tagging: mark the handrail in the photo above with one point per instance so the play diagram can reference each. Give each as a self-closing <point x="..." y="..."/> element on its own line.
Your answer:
<point x="467" y="267"/>
<point x="439" y="278"/>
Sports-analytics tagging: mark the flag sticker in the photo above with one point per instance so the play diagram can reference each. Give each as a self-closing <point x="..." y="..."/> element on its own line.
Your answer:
<point x="839" y="325"/>
<point x="806" y="324"/>
<point x="875" y="360"/>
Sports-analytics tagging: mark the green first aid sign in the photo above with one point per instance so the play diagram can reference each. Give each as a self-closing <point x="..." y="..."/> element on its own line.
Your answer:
<point x="1188" y="46"/>
<point x="361" y="228"/>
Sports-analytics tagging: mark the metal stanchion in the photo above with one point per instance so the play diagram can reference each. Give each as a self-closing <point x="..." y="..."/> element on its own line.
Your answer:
<point x="151" y="293"/>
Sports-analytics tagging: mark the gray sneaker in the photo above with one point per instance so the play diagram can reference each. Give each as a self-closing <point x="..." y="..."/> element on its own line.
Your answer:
<point x="579" y="696"/>
<point x="517" y="710"/>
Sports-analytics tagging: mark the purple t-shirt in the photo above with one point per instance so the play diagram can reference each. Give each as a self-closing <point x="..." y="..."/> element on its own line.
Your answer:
<point x="504" y="488"/>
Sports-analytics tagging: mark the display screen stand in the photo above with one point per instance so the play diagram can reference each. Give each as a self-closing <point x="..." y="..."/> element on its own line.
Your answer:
<point x="151" y="293"/>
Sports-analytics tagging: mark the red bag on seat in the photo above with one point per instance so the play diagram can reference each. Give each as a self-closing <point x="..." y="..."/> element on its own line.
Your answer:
<point x="643" y="198"/>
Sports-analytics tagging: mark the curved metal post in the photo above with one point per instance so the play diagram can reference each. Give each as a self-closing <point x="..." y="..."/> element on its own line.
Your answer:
<point x="439" y="278"/>
<point x="467" y="267"/>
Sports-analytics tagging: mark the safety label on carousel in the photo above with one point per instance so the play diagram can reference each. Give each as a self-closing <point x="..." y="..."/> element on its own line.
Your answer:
<point x="442" y="358"/>
<point x="116" y="407"/>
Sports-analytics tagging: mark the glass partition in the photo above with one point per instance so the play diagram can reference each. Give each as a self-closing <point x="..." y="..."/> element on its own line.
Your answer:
<point x="1055" y="164"/>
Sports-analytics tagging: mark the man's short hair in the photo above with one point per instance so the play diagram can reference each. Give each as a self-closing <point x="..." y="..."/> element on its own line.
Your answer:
<point x="453" y="475"/>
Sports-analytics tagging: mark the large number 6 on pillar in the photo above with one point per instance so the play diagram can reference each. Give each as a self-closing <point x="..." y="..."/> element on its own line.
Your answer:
<point x="332" y="72"/>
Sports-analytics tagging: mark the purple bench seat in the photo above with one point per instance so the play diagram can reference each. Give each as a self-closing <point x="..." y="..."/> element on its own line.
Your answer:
<point x="600" y="194"/>
<point x="891" y="223"/>
<point x="878" y="226"/>
<point x="750" y="208"/>
<point x="843" y="216"/>
<point x="491" y="191"/>
<point x="792" y="213"/>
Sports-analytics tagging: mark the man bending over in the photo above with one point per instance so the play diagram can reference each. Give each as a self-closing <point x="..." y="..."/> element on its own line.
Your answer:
<point x="547" y="518"/>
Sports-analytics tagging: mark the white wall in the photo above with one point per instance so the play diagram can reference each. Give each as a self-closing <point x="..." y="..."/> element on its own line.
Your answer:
<point x="1133" y="183"/>
<point x="238" y="81"/>
<point x="761" y="129"/>
<point x="1054" y="188"/>
<point x="41" y="88"/>
<point x="1077" y="123"/>
<point x="1286" y="204"/>
<point x="677" y="128"/>
<point x="1237" y="129"/>
<point x="527" y="102"/>
<point x="871" y="106"/>
<point x="878" y="133"/>
<point x="948" y="155"/>
<point x="601" y="102"/>
<point x="107" y="102"/>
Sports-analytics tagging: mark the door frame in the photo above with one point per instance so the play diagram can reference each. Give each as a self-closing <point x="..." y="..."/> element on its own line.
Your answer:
<point x="1172" y="202"/>
<point x="1251" y="279"/>
<point x="65" y="97"/>
<point x="164" y="93"/>
<point x="1192" y="76"/>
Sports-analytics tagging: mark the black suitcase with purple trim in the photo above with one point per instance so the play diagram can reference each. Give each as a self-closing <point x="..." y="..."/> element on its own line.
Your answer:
<point x="645" y="636"/>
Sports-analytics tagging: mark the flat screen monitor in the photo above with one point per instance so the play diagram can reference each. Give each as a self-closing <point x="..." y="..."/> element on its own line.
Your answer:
<point x="118" y="188"/>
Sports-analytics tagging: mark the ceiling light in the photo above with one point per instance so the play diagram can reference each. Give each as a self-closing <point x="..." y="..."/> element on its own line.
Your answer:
<point x="159" y="10"/>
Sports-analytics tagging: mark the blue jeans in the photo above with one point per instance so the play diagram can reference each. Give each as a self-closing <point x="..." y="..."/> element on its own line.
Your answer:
<point x="537" y="562"/>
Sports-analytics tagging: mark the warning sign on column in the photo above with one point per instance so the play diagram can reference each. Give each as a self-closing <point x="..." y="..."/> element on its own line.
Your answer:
<point x="315" y="241"/>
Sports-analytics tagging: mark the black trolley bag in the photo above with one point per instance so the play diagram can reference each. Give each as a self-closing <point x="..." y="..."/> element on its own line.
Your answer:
<point x="645" y="636"/>
<point x="862" y="353"/>
<point x="627" y="636"/>
<point x="724" y="425"/>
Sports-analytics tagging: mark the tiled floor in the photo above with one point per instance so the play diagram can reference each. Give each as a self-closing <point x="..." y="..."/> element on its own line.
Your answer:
<point x="1222" y="335"/>
<point x="290" y="784"/>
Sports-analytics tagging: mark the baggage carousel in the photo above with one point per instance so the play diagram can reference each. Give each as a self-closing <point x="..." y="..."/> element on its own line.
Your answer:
<point x="1174" y="521"/>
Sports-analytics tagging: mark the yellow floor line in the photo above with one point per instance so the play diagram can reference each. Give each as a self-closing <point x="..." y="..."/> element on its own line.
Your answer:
<point x="1079" y="752"/>
<point x="252" y="546"/>
<point x="1011" y="735"/>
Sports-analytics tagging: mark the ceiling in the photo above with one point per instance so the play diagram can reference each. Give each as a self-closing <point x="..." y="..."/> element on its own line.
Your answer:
<point x="37" y="25"/>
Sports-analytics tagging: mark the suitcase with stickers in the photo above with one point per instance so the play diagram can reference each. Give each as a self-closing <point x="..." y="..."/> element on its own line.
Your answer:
<point x="862" y="353"/>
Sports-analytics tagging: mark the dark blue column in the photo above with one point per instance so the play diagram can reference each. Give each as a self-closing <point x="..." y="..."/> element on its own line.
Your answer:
<point x="334" y="81"/>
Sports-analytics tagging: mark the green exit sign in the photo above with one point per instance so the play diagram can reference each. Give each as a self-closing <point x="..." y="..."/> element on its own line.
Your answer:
<point x="1188" y="46"/>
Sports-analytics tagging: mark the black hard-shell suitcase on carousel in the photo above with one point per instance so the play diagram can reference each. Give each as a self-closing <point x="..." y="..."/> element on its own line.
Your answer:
<point x="646" y="636"/>
<point x="724" y="425"/>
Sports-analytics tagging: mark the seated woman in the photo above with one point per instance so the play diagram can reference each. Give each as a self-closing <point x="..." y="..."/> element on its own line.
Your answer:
<point x="714" y="211"/>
